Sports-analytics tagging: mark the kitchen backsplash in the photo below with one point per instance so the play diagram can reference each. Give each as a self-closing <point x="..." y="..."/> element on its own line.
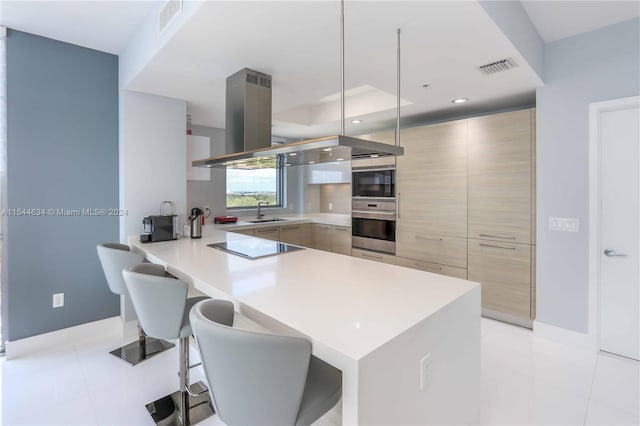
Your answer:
<point x="338" y="195"/>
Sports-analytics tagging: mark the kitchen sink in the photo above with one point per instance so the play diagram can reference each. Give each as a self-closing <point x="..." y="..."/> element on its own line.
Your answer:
<point x="275" y="219"/>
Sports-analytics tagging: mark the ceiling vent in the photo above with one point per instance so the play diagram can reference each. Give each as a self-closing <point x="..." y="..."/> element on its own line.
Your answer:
<point x="498" y="66"/>
<point x="169" y="11"/>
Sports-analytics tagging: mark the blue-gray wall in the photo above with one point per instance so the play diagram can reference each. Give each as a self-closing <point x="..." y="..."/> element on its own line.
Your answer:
<point x="62" y="153"/>
<point x="595" y="66"/>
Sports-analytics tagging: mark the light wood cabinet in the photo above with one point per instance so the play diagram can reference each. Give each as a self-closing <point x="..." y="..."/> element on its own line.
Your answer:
<point x="272" y="233"/>
<point x="504" y="272"/>
<point x="341" y="240"/>
<point x="322" y="237"/>
<point x="388" y="137"/>
<point x="431" y="180"/>
<point x="433" y="248"/>
<point x="291" y="234"/>
<point x="437" y="268"/>
<point x="533" y="282"/>
<point x="251" y="231"/>
<point x="306" y="235"/>
<point x="377" y="257"/>
<point x="499" y="177"/>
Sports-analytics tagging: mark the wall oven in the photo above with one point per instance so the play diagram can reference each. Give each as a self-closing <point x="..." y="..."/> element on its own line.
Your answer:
<point x="374" y="182"/>
<point x="373" y="224"/>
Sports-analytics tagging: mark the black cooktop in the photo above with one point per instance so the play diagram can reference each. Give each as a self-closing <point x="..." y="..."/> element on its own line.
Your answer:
<point x="254" y="248"/>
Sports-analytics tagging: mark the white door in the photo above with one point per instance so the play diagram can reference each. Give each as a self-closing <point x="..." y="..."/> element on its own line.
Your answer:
<point x="620" y="232"/>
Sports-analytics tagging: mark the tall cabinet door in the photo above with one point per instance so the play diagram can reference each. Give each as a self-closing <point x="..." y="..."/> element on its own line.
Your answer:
<point x="500" y="177"/>
<point x="431" y="180"/>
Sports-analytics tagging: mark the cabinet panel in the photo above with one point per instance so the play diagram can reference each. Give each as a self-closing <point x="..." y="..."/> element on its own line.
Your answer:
<point x="388" y="137"/>
<point x="431" y="179"/>
<point x="341" y="240"/>
<point x="306" y="235"/>
<point x="378" y="257"/>
<point x="431" y="247"/>
<point x="322" y="237"/>
<point x="437" y="268"/>
<point x="290" y="234"/>
<point x="504" y="271"/>
<point x="268" y="233"/>
<point x="251" y="231"/>
<point x="533" y="176"/>
<point x="533" y="282"/>
<point x="500" y="177"/>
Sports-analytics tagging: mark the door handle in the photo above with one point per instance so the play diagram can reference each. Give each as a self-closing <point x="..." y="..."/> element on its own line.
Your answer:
<point x="612" y="253"/>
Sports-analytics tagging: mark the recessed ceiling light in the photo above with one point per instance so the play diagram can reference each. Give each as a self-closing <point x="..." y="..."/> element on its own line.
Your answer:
<point x="374" y="156"/>
<point x="459" y="100"/>
<point x="293" y="154"/>
<point x="356" y="121"/>
<point x="209" y="165"/>
<point x="287" y="164"/>
<point x="340" y="159"/>
<point x="327" y="149"/>
<point x="311" y="162"/>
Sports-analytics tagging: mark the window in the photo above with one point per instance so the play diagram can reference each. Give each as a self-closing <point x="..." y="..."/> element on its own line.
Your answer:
<point x="246" y="187"/>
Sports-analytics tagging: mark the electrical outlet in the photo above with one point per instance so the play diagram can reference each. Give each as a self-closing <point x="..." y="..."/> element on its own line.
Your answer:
<point x="58" y="300"/>
<point x="330" y="206"/>
<point x="565" y="224"/>
<point x="424" y="370"/>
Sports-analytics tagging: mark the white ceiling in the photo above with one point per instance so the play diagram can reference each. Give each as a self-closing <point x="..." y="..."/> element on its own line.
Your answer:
<point x="102" y="25"/>
<point x="298" y="44"/>
<point x="556" y="20"/>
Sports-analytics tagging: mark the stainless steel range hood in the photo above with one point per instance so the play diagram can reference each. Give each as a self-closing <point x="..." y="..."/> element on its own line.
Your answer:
<point x="312" y="151"/>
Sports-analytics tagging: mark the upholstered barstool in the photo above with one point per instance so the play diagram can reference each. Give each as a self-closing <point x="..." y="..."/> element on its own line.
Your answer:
<point x="262" y="379"/>
<point x="114" y="258"/>
<point x="163" y="310"/>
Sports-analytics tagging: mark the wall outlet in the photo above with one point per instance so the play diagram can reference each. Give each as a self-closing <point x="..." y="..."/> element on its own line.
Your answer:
<point x="58" y="300"/>
<point x="330" y="206"/>
<point x="425" y="361"/>
<point x="565" y="224"/>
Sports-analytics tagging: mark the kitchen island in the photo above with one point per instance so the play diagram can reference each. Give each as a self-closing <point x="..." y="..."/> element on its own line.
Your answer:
<point x="407" y="342"/>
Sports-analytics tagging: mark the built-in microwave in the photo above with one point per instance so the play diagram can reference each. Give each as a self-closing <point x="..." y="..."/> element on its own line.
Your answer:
<point x="374" y="182"/>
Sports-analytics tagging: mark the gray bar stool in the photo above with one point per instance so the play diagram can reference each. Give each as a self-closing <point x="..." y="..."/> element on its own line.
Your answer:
<point x="114" y="258"/>
<point x="262" y="379"/>
<point x="163" y="310"/>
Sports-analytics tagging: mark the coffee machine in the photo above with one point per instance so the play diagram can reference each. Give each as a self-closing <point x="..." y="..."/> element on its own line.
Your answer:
<point x="160" y="227"/>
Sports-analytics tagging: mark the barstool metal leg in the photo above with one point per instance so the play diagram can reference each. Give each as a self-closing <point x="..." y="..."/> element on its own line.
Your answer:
<point x="142" y="349"/>
<point x="189" y="405"/>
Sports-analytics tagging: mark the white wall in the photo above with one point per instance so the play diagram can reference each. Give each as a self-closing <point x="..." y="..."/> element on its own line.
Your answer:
<point x="595" y="66"/>
<point x="153" y="158"/>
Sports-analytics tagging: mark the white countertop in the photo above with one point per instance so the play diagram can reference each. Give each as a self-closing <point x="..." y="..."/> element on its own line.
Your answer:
<point x="324" y="218"/>
<point x="342" y="303"/>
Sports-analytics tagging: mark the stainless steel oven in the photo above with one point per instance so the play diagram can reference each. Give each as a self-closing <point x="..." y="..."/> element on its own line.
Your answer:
<point x="374" y="181"/>
<point x="373" y="224"/>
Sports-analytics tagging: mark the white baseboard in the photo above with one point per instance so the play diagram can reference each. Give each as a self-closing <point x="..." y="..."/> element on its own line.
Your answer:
<point x="22" y="347"/>
<point x="563" y="335"/>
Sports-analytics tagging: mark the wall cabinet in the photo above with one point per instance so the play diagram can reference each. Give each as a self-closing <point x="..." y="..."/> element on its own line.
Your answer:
<point x="500" y="177"/>
<point x="504" y="271"/>
<point x="338" y="172"/>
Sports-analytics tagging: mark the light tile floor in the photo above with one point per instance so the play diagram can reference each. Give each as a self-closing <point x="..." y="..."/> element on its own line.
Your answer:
<point x="525" y="381"/>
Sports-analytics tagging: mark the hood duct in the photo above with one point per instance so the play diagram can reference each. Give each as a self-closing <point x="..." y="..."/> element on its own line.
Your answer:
<point x="248" y="133"/>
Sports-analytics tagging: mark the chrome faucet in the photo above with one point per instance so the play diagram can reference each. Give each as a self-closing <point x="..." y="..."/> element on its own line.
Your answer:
<point x="260" y="204"/>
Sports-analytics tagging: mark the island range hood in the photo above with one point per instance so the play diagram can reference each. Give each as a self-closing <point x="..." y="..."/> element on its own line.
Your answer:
<point x="248" y="132"/>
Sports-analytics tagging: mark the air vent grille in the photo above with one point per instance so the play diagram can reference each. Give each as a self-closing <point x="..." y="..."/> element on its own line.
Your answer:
<point x="169" y="11"/>
<point x="498" y="66"/>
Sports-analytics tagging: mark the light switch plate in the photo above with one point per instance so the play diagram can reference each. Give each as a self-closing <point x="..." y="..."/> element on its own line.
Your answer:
<point x="566" y="224"/>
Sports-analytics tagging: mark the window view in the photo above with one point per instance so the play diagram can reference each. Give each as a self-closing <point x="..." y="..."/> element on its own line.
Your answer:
<point x="245" y="188"/>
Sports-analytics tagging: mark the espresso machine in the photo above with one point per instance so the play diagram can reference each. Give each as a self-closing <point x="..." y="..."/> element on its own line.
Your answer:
<point x="160" y="227"/>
